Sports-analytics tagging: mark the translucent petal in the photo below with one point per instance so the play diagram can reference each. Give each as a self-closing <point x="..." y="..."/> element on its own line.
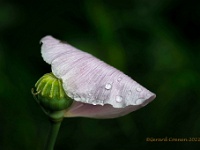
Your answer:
<point x="79" y="109"/>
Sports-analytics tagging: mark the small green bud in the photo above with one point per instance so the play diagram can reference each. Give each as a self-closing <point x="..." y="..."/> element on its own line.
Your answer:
<point x="50" y="93"/>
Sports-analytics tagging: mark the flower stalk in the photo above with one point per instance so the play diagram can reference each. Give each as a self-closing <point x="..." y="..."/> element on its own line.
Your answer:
<point x="53" y="133"/>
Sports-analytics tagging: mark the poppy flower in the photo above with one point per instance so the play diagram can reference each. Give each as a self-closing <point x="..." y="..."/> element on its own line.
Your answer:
<point x="98" y="90"/>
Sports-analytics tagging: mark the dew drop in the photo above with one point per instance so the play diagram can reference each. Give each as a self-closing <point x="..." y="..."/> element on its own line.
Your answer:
<point x="119" y="79"/>
<point x="108" y="86"/>
<point x="94" y="103"/>
<point x="118" y="99"/>
<point x="139" y="101"/>
<point x="138" y="89"/>
<point x="100" y="102"/>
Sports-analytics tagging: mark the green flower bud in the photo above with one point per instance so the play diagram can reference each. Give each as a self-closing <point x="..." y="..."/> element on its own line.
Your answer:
<point x="50" y="93"/>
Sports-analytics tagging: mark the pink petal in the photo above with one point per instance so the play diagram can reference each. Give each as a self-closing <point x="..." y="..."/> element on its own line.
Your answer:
<point x="79" y="109"/>
<point x="99" y="89"/>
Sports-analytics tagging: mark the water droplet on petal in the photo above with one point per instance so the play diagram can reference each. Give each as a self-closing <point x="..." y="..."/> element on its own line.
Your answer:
<point x="119" y="79"/>
<point x="108" y="86"/>
<point x="94" y="103"/>
<point x="118" y="99"/>
<point x="139" y="101"/>
<point x="98" y="102"/>
<point x="138" y="89"/>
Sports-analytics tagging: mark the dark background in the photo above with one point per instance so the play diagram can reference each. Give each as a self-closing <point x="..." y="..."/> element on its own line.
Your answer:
<point x="156" y="42"/>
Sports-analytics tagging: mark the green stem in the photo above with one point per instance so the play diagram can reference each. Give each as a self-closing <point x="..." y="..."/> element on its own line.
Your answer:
<point x="53" y="132"/>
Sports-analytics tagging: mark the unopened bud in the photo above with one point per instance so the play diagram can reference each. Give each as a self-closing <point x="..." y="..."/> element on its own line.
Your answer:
<point x="50" y="93"/>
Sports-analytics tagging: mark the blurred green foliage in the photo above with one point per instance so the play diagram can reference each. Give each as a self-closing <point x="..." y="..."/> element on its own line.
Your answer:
<point x="156" y="42"/>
